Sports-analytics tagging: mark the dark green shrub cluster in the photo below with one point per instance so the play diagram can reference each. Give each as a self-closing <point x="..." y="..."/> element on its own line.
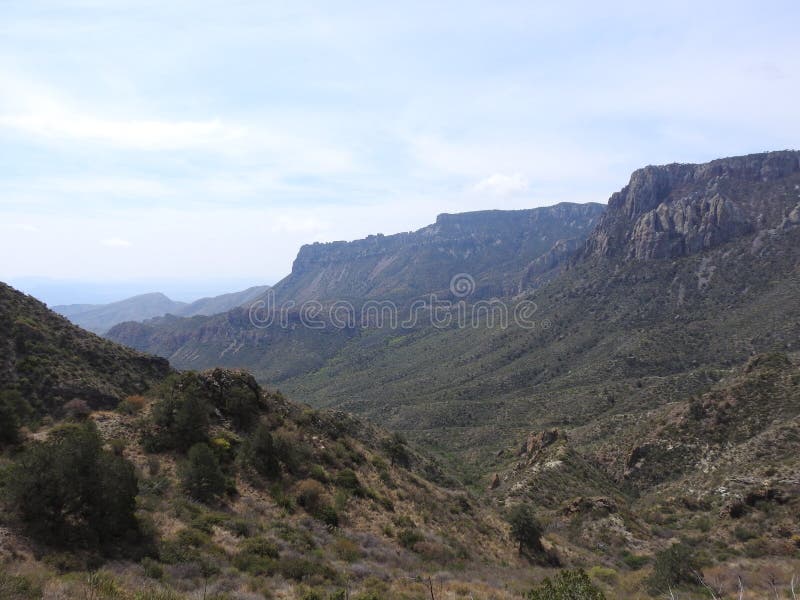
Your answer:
<point x="259" y="452"/>
<point x="567" y="585"/>
<point x="69" y="490"/>
<point x="13" y="409"/>
<point x="203" y="478"/>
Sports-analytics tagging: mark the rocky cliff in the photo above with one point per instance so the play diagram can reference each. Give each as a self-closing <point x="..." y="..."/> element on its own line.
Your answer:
<point x="682" y="209"/>
<point x="495" y="247"/>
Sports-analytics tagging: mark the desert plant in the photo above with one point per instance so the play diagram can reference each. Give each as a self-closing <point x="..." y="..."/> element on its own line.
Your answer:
<point x="67" y="489"/>
<point x="525" y="529"/>
<point x="567" y="585"/>
<point x="203" y="478"/>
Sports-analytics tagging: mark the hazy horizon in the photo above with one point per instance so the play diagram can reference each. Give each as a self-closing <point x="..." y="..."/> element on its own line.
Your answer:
<point x="199" y="143"/>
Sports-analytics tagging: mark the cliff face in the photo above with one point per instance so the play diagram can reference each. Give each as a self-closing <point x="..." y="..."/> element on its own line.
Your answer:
<point x="495" y="247"/>
<point x="677" y="210"/>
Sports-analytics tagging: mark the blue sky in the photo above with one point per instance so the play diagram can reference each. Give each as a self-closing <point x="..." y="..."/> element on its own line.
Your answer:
<point x="193" y="146"/>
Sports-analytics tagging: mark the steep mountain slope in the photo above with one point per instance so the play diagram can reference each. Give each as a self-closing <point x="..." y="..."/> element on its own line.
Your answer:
<point x="500" y="251"/>
<point x="99" y="318"/>
<point x="50" y="361"/>
<point x="615" y="333"/>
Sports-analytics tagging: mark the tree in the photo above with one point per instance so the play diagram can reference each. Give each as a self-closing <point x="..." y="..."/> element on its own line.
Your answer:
<point x="67" y="489"/>
<point x="259" y="452"/>
<point x="395" y="447"/>
<point x="673" y="567"/>
<point x="203" y="478"/>
<point x="525" y="529"/>
<point x="11" y="404"/>
<point x="567" y="585"/>
<point x="181" y="421"/>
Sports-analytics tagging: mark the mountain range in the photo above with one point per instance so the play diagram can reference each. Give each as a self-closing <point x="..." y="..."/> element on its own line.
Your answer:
<point x="641" y="397"/>
<point x="99" y="318"/>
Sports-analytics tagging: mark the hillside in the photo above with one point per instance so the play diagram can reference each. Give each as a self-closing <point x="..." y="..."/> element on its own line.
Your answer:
<point x="501" y="251"/>
<point x="306" y="502"/>
<point x="49" y="361"/>
<point x="99" y="318"/>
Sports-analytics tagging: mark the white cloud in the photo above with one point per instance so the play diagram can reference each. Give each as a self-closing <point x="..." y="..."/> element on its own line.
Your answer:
<point x="115" y="243"/>
<point x="500" y="184"/>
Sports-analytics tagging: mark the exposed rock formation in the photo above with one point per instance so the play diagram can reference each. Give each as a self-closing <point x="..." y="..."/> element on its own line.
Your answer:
<point x="681" y="209"/>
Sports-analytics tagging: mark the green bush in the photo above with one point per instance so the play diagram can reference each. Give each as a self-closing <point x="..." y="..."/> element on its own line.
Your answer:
<point x="567" y="585"/>
<point x="203" y="478"/>
<point x="260" y="453"/>
<point x="347" y="480"/>
<point x="69" y="490"/>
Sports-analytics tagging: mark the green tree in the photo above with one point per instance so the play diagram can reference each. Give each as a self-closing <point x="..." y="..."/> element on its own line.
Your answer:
<point x="259" y="452"/>
<point x="674" y="567"/>
<point x="525" y="528"/>
<point x="68" y="489"/>
<point x="180" y="422"/>
<point x="567" y="585"/>
<point x="12" y="411"/>
<point x="242" y="406"/>
<point x="203" y="478"/>
<point x="395" y="448"/>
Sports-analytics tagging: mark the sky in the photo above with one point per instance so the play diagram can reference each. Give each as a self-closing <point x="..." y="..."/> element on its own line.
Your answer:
<point x="192" y="147"/>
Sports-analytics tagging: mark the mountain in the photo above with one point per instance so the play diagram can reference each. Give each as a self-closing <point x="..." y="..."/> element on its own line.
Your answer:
<point x="494" y="247"/>
<point x="99" y="318"/>
<point x="496" y="253"/>
<point x="220" y="304"/>
<point x="620" y="331"/>
<point x="50" y="361"/>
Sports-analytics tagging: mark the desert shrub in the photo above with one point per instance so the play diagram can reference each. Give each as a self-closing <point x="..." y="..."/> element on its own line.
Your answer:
<point x="347" y="549"/>
<point x="202" y="476"/>
<point x="257" y="556"/>
<point x="69" y="490"/>
<point x="408" y="538"/>
<point x="259" y="452"/>
<point x="347" y="480"/>
<point x="567" y="585"/>
<point x="152" y="568"/>
<point x="132" y="405"/>
<point x="635" y="561"/>
<point x="179" y="422"/>
<point x="328" y="515"/>
<point x="310" y="495"/>
<point x="291" y="451"/>
<point x="673" y="567"/>
<point x="303" y="569"/>
<point x="318" y="472"/>
<point x="242" y="406"/>
<point x="77" y="409"/>
<point x="525" y="528"/>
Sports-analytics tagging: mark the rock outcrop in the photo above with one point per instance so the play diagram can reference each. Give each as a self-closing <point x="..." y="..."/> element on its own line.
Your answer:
<point x="682" y="209"/>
